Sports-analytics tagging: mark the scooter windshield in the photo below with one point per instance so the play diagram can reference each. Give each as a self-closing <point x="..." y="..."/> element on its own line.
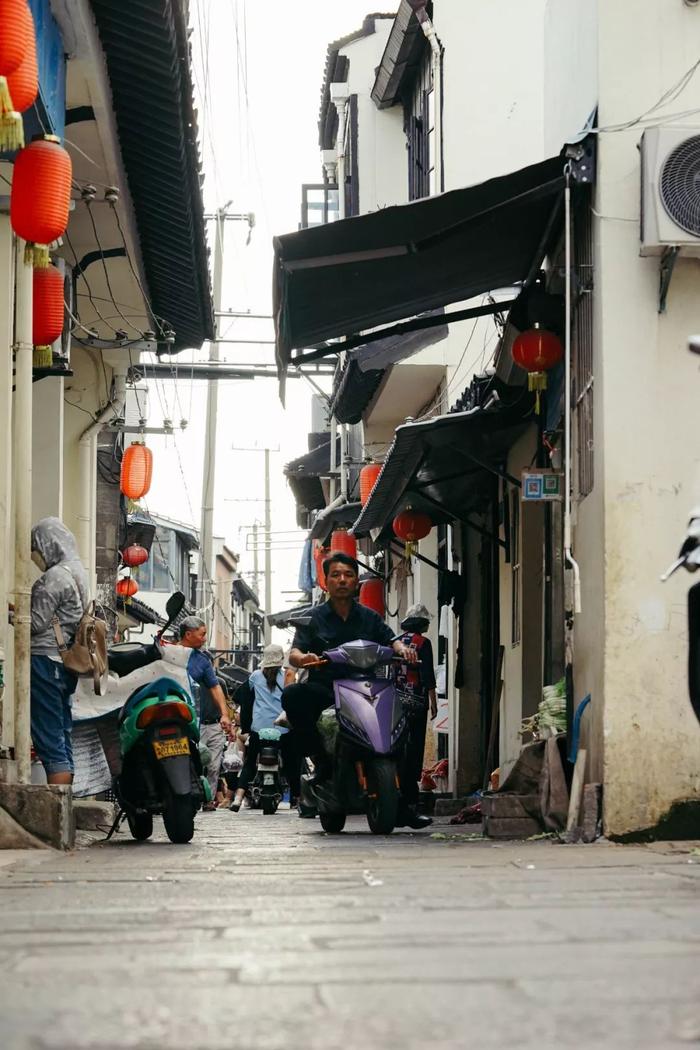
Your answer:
<point x="361" y="655"/>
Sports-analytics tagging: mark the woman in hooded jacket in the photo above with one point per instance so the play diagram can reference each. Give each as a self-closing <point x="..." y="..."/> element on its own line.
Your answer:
<point x="60" y="594"/>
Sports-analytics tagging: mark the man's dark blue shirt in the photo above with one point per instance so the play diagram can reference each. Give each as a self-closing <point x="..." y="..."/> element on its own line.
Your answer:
<point x="327" y="630"/>
<point x="201" y="669"/>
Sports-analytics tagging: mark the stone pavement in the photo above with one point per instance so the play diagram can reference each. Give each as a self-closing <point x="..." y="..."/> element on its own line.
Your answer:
<point x="266" y="934"/>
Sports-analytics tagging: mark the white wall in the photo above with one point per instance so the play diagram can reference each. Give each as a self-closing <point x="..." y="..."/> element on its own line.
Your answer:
<point x="650" y="473"/>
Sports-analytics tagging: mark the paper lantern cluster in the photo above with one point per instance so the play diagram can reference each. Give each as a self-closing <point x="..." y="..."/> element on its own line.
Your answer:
<point x="372" y="595"/>
<point x="411" y="526"/>
<point x="41" y="180"/>
<point x="18" y="70"/>
<point x="368" y="479"/>
<point x="47" y="318"/>
<point x="342" y="541"/>
<point x="126" y="587"/>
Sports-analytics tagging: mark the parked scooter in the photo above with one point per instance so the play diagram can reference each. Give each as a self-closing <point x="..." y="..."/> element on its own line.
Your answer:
<point x="158" y="732"/>
<point x="370" y="723"/>
<point x="267" y="786"/>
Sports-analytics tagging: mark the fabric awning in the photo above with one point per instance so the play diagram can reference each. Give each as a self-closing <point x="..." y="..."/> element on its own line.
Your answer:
<point x="327" y="520"/>
<point x="445" y="465"/>
<point x="350" y="276"/>
<point x="287" y="617"/>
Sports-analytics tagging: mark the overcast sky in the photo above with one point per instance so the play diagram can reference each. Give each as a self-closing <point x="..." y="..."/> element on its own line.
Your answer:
<point x="259" y="69"/>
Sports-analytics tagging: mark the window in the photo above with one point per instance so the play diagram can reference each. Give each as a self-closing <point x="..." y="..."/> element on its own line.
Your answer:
<point x="515" y="566"/>
<point x="420" y="132"/>
<point x="155" y="574"/>
<point x="582" y="357"/>
<point x="319" y="204"/>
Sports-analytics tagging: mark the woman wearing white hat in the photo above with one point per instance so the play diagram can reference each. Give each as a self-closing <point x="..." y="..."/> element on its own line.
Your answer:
<point x="261" y="703"/>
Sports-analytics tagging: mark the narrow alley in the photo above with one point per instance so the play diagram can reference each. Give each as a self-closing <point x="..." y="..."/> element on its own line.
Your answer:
<point x="266" y="933"/>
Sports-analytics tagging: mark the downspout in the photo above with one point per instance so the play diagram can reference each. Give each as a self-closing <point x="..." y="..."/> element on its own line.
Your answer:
<point x="113" y="410"/>
<point x="568" y="556"/>
<point x="22" y="456"/>
<point x="431" y="36"/>
<point x="340" y="93"/>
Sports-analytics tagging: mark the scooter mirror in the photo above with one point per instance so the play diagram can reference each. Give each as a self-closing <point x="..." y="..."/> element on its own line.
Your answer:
<point x="174" y="605"/>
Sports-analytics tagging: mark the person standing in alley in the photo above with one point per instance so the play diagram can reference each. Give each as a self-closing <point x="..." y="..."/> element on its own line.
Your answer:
<point x="215" y="718"/>
<point x="261" y="704"/>
<point x="60" y="595"/>
<point x="419" y="688"/>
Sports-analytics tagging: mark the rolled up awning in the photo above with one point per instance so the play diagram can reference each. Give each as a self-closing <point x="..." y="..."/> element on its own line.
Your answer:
<point x="446" y="465"/>
<point x="347" y="277"/>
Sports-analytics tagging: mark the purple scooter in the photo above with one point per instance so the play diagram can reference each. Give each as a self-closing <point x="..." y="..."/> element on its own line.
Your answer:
<point x="371" y="724"/>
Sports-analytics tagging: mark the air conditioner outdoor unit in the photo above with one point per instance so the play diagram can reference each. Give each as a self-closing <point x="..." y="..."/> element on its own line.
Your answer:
<point x="670" y="190"/>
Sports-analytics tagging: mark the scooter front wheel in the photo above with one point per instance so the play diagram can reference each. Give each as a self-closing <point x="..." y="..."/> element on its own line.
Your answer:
<point x="383" y="796"/>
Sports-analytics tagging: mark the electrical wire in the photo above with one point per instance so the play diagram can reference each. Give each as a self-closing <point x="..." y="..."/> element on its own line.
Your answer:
<point x="81" y="271"/>
<point x="669" y="96"/>
<point x="156" y="319"/>
<point x="106" y="273"/>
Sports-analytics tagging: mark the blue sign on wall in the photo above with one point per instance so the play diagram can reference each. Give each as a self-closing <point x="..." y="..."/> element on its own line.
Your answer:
<point x="49" y="113"/>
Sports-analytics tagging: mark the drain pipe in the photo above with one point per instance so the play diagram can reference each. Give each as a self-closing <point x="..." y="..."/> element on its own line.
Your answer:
<point x="431" y="36"/>
<point x="568" y="556"/>
<point x="113" y="410"/>
<point x="340" y="94"/>
<point x="22" y="457"/>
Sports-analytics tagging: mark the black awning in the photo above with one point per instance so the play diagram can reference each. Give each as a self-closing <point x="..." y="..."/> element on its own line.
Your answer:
<point x="304" y="474"/>
<point x="147" y="52"/>
<point x="446" y="465"/>
<point x="243" y="593"/>
<point x="287" y="617"/>
<point x="349" y="276"/>
<point x="354" y="392"/>
<point x="327" y="520"/>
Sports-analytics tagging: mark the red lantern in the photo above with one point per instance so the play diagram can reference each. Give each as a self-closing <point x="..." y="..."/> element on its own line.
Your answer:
<point x="126" y="587"/>
<point x="537" y="350"/>
<point x="372" y="595"/>
<point x="40" y="195"/>
<point x="134" y="555"/>
<point x="18" y="91"/>
<point x="137" y="471"/>
<point x="16" y="27"/>
<point x="368" y="479"/>
<point x="48" y="305"/>
<point x="341" y="540"/>
<point x="411" y="525"/>
<point x="320" y="555"/>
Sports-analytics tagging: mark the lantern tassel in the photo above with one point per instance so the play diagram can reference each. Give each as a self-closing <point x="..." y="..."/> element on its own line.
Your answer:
<point x="11" y="126"/>
<point x="42" y="357"/>
<point x="537" y="381"/>
<point x="40" y="255"/>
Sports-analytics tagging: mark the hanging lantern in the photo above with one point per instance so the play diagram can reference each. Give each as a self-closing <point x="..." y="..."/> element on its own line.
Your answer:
<point x="134" y="555"/>
<point x="411" y="526"/>
<point x="137" y="471"/>
<point x="341" y="540"/>
<point x="47" y="323"/>
<point x="537" y="350"/>
<point x="22" y="88"/>
<point x="368" y="479"/>
<point x="40" y="195"/>
<point x="372" y="595"/>
<point x="320" y="555"/>
<point x="16" y="35"/>
<point x="126" y="587"/>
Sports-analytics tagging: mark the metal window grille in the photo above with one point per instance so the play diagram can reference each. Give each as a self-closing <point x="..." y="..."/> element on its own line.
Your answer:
<point x="420" y="133"/>
<point x="582" y="371"/>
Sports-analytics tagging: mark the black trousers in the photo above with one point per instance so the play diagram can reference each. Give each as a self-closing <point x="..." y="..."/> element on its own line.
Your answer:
<point x="411" y="765"/>
<point x="303" y="703"/>
<point x="291" y="762"/>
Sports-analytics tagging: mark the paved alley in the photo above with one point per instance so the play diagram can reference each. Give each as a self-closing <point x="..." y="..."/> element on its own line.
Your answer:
<point x="266" y="934"/>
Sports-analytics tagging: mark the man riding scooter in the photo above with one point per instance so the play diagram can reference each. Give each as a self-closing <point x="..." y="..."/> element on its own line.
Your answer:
<point x="341" y="619"/>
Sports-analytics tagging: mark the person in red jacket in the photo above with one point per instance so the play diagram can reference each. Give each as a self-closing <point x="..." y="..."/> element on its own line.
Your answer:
<point x="418" y="684"/>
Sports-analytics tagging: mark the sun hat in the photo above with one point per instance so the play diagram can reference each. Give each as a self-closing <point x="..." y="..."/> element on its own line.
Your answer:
<point x="273" y="656"/>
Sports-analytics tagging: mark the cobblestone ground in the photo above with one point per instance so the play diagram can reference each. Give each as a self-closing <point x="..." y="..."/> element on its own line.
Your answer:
<point x="266" y="934"/>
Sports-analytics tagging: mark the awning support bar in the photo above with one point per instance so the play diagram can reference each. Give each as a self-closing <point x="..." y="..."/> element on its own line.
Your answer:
<point x="486" y="466"/>
<point x="415" y="325"/>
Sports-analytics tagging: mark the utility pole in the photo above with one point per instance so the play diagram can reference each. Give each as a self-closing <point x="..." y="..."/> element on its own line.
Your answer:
<point x="268" y="550"/>
<point x="205" y="591"/>
<point x="256" y="568"/>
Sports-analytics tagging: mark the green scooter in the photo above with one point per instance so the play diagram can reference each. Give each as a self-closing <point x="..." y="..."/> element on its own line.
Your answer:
<point x="159" y="733"/>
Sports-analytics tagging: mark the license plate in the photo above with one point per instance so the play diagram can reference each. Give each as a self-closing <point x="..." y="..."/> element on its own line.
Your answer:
<point x="170" y="748"/>
<point x="268" y="779"/>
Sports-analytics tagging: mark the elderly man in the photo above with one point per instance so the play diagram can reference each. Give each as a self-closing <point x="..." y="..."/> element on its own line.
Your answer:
<point x="214" y="714"/>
